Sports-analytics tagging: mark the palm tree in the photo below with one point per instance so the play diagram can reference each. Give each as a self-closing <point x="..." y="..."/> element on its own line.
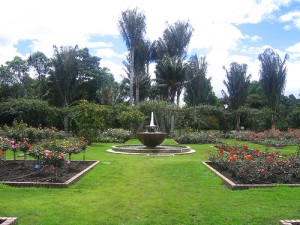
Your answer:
<point x="170" y="75"/>
<point x="175" y="40"/>
<point x="170" y="51"/>
<point x="132" y="26"/>
<point x="272" y="79"/>
<point x="198" y="89"/>
<point x="237" y="85"/>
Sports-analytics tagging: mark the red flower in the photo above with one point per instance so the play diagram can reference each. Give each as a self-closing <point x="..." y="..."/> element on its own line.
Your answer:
<point x="231" y="159"/>
<point x="2" y="153"/>
<point x="245" y="147"/>
<point x="248" y="157"/>
<point x="231" y="152"/>
<point x="221" y="149"/>
<point x="271" y="159"/>
<point x="256" y="151"/>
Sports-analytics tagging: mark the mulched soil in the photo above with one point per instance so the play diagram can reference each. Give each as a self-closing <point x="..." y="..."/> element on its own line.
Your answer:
<point x="24" y="171"/>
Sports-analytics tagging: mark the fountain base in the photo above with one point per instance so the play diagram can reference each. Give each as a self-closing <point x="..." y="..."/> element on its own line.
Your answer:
<point x="161" y="150"/>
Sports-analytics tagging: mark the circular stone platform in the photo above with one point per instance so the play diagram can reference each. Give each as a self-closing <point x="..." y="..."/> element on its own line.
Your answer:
<point x="161" y="150"/>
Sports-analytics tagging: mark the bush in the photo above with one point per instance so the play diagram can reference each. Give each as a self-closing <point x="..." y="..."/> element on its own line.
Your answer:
<point x="114" y="136"/>
<point x="198" y="137"/>
<point x="33" y="112"/>
<point x="256" y="167"/>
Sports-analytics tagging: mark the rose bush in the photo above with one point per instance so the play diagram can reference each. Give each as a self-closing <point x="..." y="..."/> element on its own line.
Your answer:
<point x="272" y="138"/>
<point x="255" y="166"/>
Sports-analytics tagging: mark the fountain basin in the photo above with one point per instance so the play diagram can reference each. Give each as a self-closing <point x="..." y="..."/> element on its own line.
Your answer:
<point x="161" y="149"/>
<point x="151" y="139"/>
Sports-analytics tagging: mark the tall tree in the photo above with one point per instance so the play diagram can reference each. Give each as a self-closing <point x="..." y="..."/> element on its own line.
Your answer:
<point x="237" y="85"/>
<point x="175" y="40"/>
<point x="170" y="50"/>
<point x="41" y="65"/>
<point x="273" y="74"/>
<point x="71" y="68"/>
<point x="198" y="89"/>
<point x="170" y="76"/>
<point x="132" y="25"/>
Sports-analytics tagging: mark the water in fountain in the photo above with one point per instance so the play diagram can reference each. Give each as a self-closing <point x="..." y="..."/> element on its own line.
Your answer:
<point x="151" y="140"/>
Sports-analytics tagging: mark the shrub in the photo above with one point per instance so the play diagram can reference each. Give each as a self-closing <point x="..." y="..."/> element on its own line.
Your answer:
<point x="114" y="136"/>
<point x="33" y="112"/>
<point x="255" y="166"/>
<point x="198" y="137"/>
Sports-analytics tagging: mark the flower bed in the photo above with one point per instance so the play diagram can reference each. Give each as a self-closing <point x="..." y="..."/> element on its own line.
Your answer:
<point x="272" y="138"/>
<point x="244" y="166"/>
<point x="23" y="173"/>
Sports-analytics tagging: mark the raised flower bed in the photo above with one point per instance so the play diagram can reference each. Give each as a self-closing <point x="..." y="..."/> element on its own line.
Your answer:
<point x="21" y="173"/>
<point x="241" y="167"/>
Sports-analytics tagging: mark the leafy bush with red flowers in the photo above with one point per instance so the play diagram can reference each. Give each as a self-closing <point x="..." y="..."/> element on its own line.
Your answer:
<point x="253" y="166"/>
<point x="272" y="138"/>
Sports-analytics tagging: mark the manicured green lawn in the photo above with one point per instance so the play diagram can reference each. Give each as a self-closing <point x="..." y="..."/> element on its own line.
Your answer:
<point x="134" y="189"/>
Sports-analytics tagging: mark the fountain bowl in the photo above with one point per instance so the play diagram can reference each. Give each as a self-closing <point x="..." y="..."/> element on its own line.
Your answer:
<point x="161" y="150"/>
<point x="151" y="139"/>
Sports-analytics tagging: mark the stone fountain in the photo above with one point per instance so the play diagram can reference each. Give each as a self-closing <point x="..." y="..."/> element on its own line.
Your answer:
<point x="152" y="137"/>
<point x="151" y="140"/>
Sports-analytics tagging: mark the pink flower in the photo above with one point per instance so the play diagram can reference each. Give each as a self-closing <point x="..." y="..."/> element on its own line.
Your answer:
<point x="68" y="162"/>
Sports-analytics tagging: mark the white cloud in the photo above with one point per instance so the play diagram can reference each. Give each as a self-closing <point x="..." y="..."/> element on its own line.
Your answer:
<point x="293" y="17"/>
<point x="109" y="53"/>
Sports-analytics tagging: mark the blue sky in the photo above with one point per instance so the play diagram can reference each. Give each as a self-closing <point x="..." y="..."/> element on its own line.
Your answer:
<point x="224" y="31"/>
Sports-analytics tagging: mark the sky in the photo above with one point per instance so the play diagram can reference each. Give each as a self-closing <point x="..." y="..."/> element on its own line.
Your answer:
<point x="225" y="31"/>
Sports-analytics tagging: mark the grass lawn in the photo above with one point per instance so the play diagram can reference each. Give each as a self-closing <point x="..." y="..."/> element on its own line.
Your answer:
<point x="139" y="189"/>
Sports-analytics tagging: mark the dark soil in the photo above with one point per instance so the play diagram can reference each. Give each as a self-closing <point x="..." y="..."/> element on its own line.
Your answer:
<point x="24" y="171"/>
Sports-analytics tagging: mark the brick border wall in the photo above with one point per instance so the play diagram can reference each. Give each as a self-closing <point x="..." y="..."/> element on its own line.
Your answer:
<point x="289" y="222"/>
<point x="230" y="184"/>
<point x="8" y="220"/>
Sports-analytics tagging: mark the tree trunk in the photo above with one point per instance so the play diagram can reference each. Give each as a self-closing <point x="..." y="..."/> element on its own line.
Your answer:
<point x="137" y="90"/>
<point x="66" y="104"/>
<point x="131" y="76"/>
<point x="237" y="121"/>
<point x="273" y="121"/>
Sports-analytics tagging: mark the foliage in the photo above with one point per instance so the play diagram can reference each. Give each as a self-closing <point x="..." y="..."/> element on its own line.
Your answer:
<point x="132" y="26"/>
<point x="114" y="136"/>
<point x="198" y="89"/>
<point x="237" y="85"/>
<point x="169" y="53"/>
<point x="272" y="138"/>
<point x="34" y="112"/>
<point x="204" y="117"/>
<point x="88" y="119"/>
<point x="162" y="111"/>
<point x="20" y="131"/>
<point x="272" y="78"/>
<point x="187" y="137"/>
<point x="255" y="166"/>
<point x="131" y="119"/>
<point x="170" y="76"/>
